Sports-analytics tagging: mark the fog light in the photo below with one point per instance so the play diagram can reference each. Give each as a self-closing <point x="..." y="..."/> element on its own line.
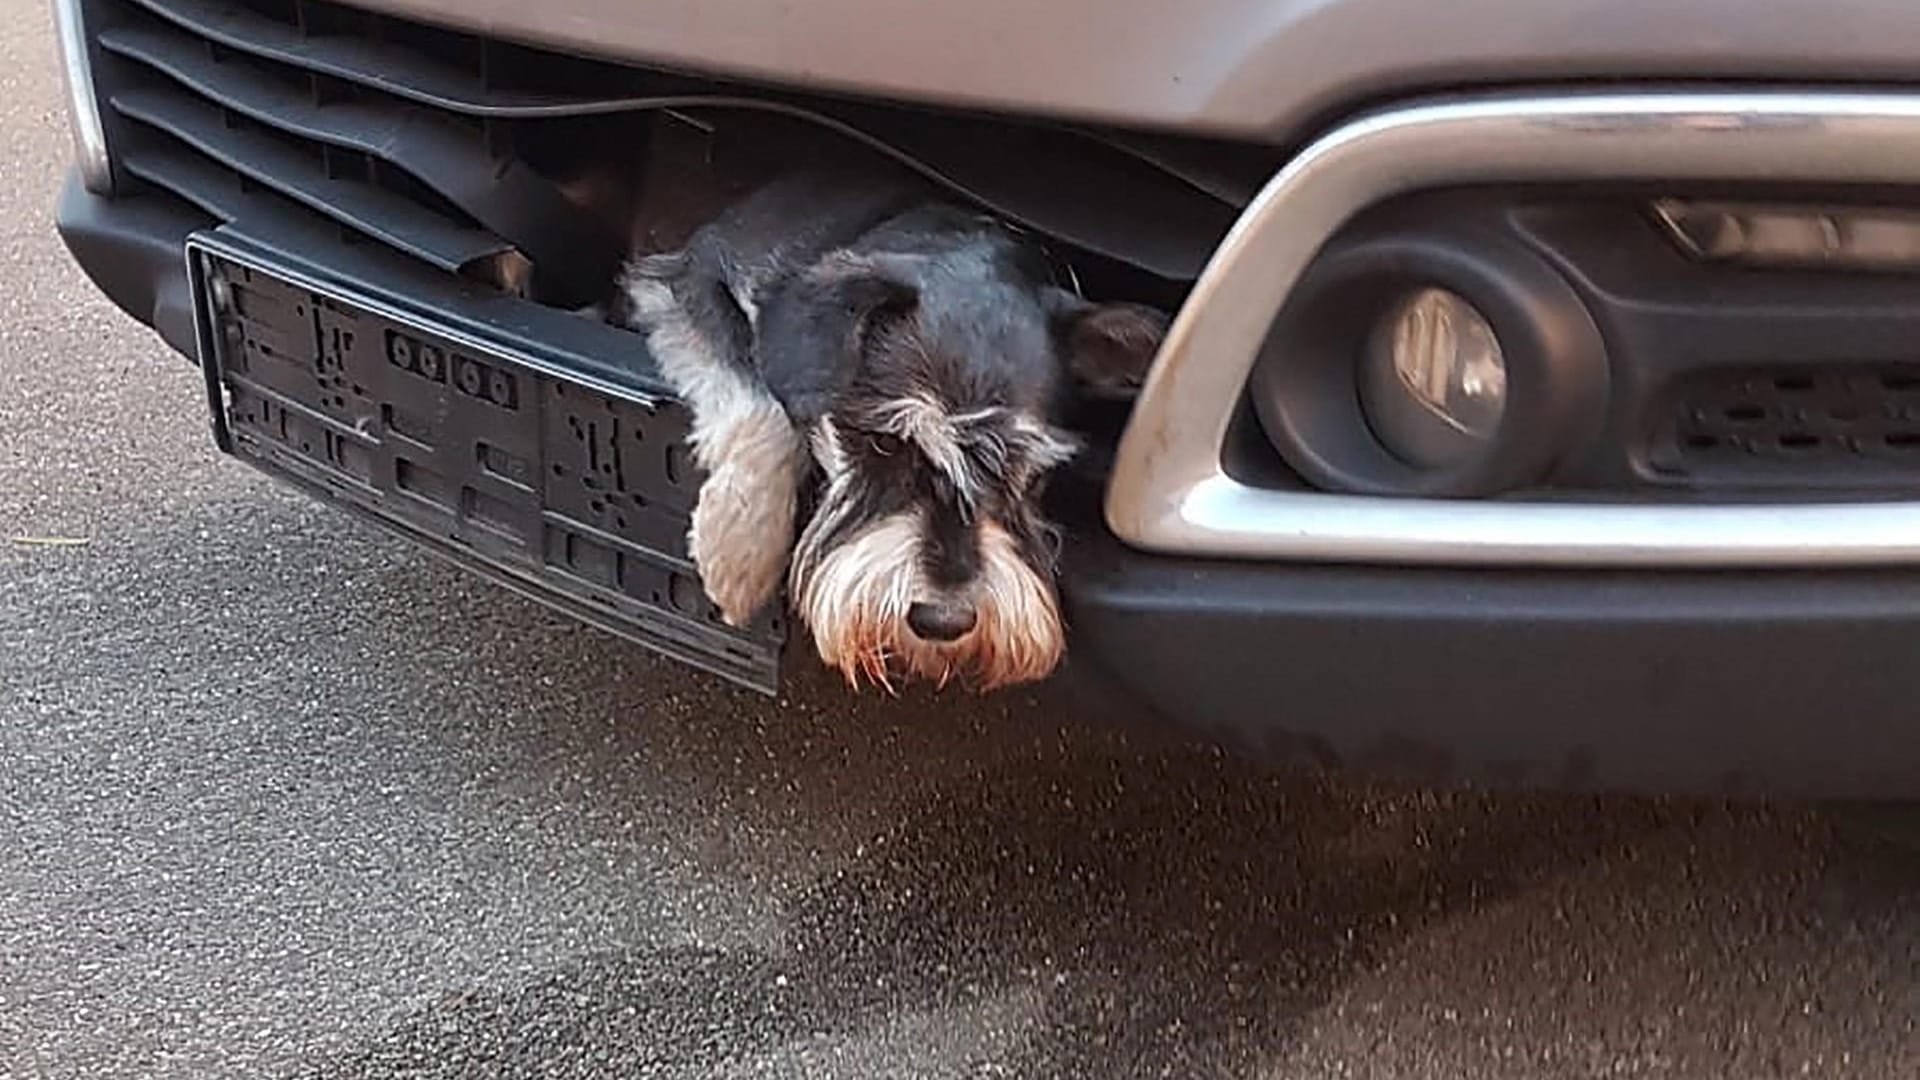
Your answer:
<point x="1859" y="238"/>
<point x="1438" y="360"/>
<point x="1433" y="381"/>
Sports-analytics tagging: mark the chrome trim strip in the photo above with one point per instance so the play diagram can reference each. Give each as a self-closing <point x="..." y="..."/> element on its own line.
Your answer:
<point x="83" y="107"/>
<point x="1169" y="493"/>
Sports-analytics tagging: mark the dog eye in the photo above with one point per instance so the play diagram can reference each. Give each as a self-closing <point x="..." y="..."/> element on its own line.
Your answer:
<point x="884" y="444"/>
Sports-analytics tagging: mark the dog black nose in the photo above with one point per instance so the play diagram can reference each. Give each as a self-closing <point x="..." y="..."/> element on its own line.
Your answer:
<point x="940" y="622"/>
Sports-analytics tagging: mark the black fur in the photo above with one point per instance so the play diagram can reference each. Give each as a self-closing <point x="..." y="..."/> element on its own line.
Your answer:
<point x="865" y="307"/>
<point x="815" y="326"/>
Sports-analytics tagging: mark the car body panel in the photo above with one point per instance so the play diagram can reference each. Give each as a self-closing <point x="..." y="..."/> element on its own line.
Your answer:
<point x="1261" y="69"/>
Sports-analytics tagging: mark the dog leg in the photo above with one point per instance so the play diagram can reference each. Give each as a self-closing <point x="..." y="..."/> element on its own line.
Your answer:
<point x="743" y="519"/>
<point x="753" y="457"/>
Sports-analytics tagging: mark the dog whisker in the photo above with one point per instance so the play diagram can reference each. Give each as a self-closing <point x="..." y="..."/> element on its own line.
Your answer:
<point x="876" y="664"/>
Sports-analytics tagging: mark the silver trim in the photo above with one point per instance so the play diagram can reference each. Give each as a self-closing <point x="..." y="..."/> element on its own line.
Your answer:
<point x="83" y="107"/>
<point x="1169" y="492"/>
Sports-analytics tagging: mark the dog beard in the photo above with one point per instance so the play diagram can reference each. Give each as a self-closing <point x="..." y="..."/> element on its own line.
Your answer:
<point x="854" y="597"/>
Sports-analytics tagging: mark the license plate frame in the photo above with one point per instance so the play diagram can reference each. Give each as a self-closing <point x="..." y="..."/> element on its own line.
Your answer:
<point x="549" y="473"/>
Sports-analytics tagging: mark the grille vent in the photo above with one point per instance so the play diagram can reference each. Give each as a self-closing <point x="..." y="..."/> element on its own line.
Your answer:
<point x="1835" y="427"/>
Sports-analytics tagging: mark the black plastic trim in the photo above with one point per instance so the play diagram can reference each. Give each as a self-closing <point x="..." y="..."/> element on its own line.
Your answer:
<point x="271" y="161"/>
<point x="1666" y="323"/>
<point x="132" y="251"/>
<point x="1158" y="207"/>
<point x="1670" y="320"/>
<point x="573" y="257"/>
<point x="193" y="178"/>
<point x="550" y="461"/>
<point x="1787" y="684"/>
<point x="380" y="65"/>
<point x="1306" y="384"/>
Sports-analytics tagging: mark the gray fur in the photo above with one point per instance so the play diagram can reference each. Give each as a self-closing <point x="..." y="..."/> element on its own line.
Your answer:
<point x="922" y="351"/>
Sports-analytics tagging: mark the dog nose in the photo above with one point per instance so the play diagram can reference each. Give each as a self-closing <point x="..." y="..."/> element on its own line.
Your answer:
<point x="940" y="622"/>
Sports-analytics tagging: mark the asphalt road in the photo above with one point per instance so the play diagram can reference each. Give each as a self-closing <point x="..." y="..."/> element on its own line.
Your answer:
<point x="282" y="797"/>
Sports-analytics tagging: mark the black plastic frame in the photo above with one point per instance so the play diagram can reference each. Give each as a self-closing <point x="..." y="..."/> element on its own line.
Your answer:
<point x="491" y="505"/>
<point x="1306" y="391"/>
<point x="1667" y="323"/>
<point x="1796" y="684"/>
<point x="1671" y="321"/>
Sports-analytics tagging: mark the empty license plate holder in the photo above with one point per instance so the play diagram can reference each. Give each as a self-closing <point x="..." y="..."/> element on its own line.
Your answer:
<point x="562" y="475"/>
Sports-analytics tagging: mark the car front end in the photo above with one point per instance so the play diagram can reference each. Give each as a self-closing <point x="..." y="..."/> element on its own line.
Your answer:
<point x="1542" y="404"/>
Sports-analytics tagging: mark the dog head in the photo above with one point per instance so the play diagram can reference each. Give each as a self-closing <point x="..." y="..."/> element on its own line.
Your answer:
<point x="927" y="362"/>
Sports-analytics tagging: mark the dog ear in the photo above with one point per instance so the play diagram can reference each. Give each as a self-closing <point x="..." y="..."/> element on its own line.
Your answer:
<point x="810" y="331"/>
<point x="1108" y="347"/>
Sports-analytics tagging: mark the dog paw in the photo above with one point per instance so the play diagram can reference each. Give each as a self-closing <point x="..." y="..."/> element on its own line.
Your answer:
<point x="740" y="539"/>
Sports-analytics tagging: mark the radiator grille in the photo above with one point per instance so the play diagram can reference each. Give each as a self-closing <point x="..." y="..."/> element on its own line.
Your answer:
<point x="443" y="145"/>
<point x="398" y="134"/>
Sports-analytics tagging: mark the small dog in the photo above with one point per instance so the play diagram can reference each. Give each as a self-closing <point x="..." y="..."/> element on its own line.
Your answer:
<point x="909" y="356"/>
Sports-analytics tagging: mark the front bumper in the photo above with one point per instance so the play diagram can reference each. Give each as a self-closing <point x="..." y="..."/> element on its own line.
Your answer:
<point x="1784" y="683"/>
<point x="1794" y="683"/>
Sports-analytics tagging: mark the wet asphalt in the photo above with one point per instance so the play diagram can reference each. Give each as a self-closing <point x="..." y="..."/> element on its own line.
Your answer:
<point x="280" y="796"/>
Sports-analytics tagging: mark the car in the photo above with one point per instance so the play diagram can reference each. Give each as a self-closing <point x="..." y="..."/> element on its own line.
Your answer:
<point x="1541" y="405"/>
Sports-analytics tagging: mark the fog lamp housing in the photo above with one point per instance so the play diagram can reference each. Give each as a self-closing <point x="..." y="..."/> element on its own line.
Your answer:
<point x="1430" y="361"/>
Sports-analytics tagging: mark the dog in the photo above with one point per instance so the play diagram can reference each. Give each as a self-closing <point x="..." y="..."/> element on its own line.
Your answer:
<point x="904" y="360"/>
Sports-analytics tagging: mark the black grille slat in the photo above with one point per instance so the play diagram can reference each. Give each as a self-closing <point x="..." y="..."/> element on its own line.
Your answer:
<point x="1191" y="209"/>
<point x="574" y="258"/>
<point x="382" y="214"/>
<point x="505" y="131"/>
<point x="220" y="192"/>
<point x="191" y="177"/>
<point x="380" y="65"/>
<point x="216" y="190"/>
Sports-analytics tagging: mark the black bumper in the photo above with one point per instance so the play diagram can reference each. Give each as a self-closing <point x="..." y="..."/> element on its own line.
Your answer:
<point x="135" y="252"/>
<point x="1778" y="683"/>
<point x="1775" y="684"/>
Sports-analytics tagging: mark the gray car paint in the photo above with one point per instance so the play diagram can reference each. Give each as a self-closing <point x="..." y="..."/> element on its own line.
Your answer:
<point x="1244" y="68"/>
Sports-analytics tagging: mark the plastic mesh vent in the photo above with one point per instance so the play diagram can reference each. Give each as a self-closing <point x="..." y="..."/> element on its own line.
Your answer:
<point x="1840" y="427"/>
